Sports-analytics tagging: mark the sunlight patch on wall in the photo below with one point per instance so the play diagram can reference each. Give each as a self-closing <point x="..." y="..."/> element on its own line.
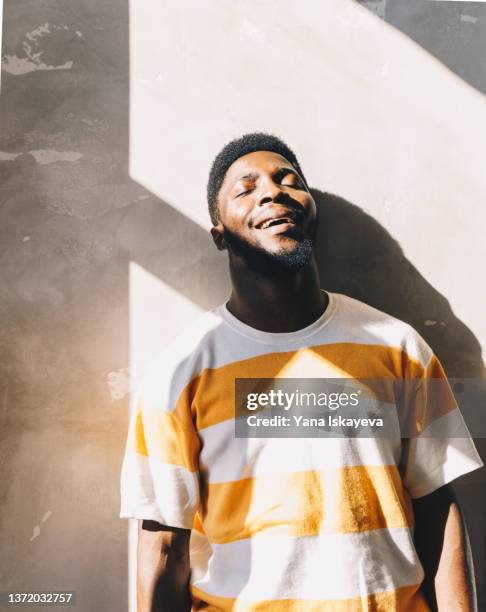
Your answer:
<point x="157" y="315"/>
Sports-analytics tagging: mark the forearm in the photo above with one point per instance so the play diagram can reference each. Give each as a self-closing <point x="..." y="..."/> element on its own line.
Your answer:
<point x="163" y="569"/>
<point x="441" y="542"/>
<point x="453" y="582"/>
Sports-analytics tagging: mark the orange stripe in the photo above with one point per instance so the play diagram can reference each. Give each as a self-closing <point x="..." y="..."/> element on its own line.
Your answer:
<point x="338" y="500"/>
<point x="214" y="400"/>
<point x="405" y="599"/>
<point x="160" y="434"/>
<point x="197" y="523"/>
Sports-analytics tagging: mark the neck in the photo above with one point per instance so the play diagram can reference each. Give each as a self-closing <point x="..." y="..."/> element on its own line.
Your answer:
<point x="282" y="302"/>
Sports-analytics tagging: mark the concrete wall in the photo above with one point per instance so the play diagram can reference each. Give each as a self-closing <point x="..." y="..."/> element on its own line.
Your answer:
<point x="103" y="230"/>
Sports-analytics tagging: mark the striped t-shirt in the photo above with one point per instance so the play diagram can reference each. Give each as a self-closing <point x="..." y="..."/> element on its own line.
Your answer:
<point x="287" y="524"/>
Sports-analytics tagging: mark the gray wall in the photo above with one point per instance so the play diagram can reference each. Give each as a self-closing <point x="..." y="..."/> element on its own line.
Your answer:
<point x="64" y="297"/>
<point x="103" y="242"/>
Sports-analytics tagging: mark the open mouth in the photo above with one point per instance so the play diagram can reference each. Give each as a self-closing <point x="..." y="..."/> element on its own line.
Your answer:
<point x="274" y="222"/>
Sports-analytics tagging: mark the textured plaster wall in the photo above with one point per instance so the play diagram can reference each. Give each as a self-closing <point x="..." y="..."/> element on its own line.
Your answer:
<point x="103" y="246"/>
<point x="64" y="192"/>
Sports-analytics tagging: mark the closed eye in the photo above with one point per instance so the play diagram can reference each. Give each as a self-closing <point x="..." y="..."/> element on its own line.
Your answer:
<point x="294" y="183"/>
<point x="291" y="180"/>
<point x="243" y="193"/>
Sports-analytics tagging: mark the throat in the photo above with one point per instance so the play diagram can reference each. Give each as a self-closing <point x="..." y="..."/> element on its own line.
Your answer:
<point x="278" y="307"/>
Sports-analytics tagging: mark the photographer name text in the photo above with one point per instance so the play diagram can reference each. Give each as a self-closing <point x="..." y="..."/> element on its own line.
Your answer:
<point x="323" y="421"/>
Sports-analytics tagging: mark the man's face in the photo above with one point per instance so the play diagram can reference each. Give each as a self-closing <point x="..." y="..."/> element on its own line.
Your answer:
<point x="266" y="212"/>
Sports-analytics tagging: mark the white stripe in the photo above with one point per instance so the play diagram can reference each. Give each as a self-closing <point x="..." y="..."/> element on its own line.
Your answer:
<point x="442" y="452"/>
<point x="224" y="458"/>
<point x="153" y="490"/>
<point x="314" y="567"/>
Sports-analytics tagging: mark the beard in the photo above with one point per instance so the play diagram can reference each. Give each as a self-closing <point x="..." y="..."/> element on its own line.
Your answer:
<point x="266" y="263"/>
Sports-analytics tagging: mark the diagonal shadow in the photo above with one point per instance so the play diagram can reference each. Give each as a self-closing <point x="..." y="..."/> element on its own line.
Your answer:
<point x="453" y="32"/>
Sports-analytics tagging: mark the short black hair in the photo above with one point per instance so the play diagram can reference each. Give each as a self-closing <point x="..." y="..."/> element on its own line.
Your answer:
<point x="248" y="143"/>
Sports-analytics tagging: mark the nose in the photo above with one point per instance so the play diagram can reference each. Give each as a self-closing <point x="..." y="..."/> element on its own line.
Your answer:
<point x="270" y="192"/>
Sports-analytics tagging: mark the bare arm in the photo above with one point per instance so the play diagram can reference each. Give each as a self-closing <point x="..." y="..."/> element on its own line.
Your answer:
<point x="441" y="543"/>
<point x="163" y="568"/>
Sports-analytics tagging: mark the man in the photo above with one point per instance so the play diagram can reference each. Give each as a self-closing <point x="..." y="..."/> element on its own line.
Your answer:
<point x="249" y="524"/>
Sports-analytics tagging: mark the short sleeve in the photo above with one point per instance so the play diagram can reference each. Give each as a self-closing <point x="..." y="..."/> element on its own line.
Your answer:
<point x="159" y="477"/>
<point x="438" y="447"/>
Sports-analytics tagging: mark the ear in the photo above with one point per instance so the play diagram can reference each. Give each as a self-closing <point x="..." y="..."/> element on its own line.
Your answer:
<point x="217" y="232"/>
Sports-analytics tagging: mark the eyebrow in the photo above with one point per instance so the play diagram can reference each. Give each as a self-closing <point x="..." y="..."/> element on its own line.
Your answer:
<point x="248" y="177"/>
<point x="252" y="176"/>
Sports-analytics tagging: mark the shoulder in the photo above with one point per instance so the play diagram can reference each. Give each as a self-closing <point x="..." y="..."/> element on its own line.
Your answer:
<point x="372" y="326"/>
